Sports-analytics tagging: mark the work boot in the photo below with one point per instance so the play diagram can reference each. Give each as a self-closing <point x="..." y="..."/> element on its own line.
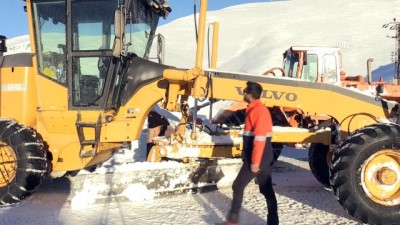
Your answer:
<point x="272" y="219"/>
<point x="233" y="219"/>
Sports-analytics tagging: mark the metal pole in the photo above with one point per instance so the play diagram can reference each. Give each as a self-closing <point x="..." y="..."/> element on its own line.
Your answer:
<point x="199" y="59"/>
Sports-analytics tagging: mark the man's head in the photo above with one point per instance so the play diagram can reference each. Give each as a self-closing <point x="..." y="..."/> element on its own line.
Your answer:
<point x="252" y="92"/>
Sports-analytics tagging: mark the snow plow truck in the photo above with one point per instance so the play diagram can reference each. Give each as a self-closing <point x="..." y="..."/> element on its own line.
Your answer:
<point x="87" y="87"/>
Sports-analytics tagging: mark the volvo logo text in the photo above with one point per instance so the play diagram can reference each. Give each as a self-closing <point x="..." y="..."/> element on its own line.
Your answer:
<point x="271" y="94"/>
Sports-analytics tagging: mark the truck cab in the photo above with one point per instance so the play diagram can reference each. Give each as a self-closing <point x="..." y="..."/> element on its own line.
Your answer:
<point x="314" y="64"/>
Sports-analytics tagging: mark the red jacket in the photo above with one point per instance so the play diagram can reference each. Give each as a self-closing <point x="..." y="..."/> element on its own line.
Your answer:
<point x="257" y="135"/>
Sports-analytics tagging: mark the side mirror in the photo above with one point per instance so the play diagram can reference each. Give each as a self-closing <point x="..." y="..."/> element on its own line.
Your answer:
<point x="3" y="47"/>
<point x="160" y="7"/>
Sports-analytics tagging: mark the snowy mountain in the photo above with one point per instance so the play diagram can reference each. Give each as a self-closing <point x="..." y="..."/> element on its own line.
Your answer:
<point x="18" y="45"/>
<point x="254" y="36"/>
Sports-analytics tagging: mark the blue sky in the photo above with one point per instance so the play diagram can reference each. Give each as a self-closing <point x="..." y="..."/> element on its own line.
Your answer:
<point x="13" y="20"/>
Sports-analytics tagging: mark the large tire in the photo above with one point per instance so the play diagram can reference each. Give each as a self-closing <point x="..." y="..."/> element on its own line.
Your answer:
<point x="365" y="174"/>
<point x="319" y="160"/>
<point x="23" y="162"/>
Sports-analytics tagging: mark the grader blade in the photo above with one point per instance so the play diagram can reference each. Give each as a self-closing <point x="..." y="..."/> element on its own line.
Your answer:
<point x="144" y="179"/>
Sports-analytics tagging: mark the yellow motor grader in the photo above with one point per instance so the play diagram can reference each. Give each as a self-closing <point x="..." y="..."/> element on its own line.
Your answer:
<point x="87" y="88"/>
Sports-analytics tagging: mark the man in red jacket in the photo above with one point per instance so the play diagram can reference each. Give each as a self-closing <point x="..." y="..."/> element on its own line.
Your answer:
<point x="257" y="156"/>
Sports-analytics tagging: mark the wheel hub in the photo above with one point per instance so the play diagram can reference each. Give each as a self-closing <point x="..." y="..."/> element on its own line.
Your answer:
<point x="386" y="176"/>
<point x="380" y="177"/>
<point x="8" y="164"/>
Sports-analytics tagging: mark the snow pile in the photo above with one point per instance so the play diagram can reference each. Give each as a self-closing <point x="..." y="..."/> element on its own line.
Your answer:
<point x="92" y="191"/>
<point x="118" y="164"/>
<point x="19" y="44"/>
<point x="138" y="193"/>
<point x="88" y="195"/>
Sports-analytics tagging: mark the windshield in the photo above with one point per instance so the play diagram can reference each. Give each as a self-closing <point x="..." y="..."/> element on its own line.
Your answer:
<point x="329" y="72"/>
<point x="93" y="24"/>
<point x="92" y="36"/>
<point x="141" y="32"/>
<point x="309" y="70"/>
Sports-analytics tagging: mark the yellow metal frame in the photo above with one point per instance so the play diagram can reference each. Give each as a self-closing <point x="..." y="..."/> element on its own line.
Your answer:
<point x="323" y="137"/>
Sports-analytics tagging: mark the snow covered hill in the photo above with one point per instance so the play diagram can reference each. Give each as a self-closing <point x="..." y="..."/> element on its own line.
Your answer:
<point x="18" y="45"/>
<point x="254" y="36"/>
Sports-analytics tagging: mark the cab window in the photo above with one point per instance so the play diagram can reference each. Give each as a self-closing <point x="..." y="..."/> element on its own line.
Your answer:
<point x="329" y="69"/>
<point x="49" y="22"/>
<point x="310" y="70"/>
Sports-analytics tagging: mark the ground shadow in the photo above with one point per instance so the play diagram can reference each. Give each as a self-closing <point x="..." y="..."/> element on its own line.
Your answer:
<point x="217" y="206"/>
<point x="299" y="184"/>
<point x="105" y="215"/>
<point x="290" y="181"/>
<point x="42" y="207"/>
<point x="215" y="203"/>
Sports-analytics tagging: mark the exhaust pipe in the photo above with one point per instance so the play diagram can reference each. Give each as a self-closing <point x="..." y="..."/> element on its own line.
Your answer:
<point x="369" y="61"/>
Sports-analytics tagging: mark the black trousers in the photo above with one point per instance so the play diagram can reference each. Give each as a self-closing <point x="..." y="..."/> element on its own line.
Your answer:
<point x="265" y="185"/>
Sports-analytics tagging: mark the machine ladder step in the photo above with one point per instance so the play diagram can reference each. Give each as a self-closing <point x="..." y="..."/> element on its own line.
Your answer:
<point x="92" y="143"/>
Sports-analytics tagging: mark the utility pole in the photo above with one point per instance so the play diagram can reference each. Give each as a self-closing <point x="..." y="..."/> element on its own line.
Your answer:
<point x="394" y="25"/>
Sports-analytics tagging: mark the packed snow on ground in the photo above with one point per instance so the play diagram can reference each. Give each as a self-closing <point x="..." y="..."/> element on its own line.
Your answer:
<point x="252" y="40"/>
<point x="301" y="200"/>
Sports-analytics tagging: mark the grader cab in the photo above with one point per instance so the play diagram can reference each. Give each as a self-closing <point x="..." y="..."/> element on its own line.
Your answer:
<point x="321" y="64"/>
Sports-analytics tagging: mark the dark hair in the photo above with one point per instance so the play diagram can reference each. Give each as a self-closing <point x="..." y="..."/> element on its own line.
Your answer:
<point x="254" y="89"/>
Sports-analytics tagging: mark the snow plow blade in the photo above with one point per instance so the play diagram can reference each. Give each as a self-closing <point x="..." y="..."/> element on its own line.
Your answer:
<point x="147" y="180"/>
